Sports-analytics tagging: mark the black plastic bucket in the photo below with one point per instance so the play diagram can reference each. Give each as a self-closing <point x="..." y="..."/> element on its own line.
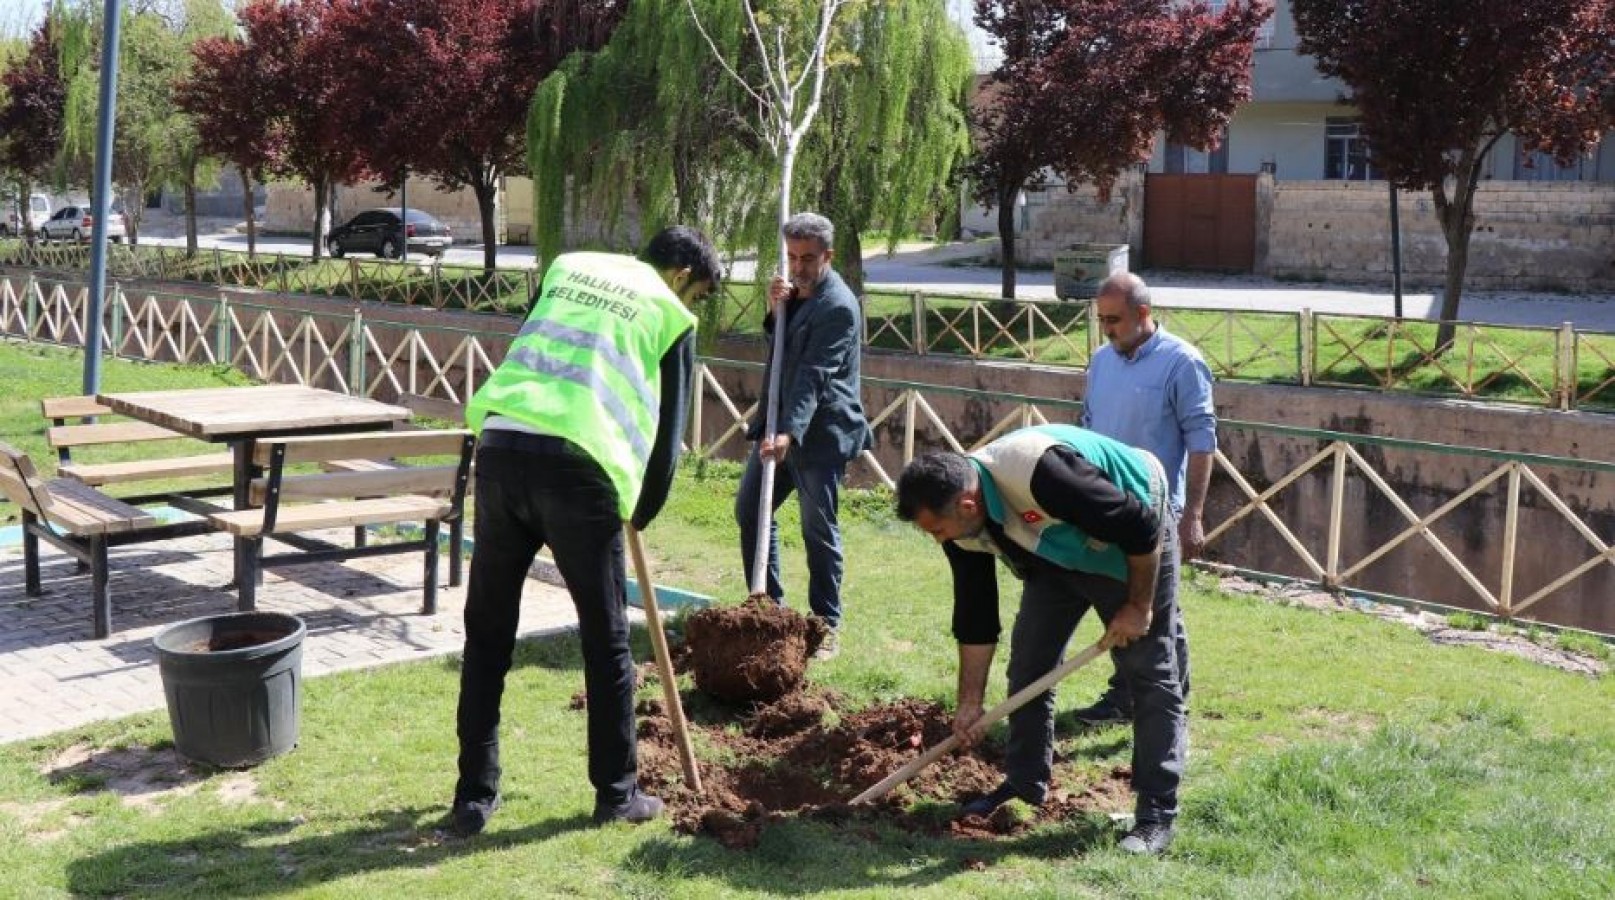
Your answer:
<point x="233" y="685"/>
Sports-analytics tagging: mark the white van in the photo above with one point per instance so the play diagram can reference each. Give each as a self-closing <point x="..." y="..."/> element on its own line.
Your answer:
<point x="38" y="214"/>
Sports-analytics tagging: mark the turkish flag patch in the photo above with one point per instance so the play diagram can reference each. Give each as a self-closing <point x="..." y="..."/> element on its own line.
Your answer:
<point x="1031" y="517"/>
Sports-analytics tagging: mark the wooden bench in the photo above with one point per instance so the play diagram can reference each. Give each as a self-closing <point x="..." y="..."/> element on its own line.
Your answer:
<point x="88" y="431"/>
<point x="422" y="405"/>
<point x="399" y="489"/>
<point x="80" y="521"/>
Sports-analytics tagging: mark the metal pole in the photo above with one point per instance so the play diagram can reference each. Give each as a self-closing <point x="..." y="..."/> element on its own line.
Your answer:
<point x="101" y="196"/>
<point x="403" y="198"/>
<point x="1396" y="252"/>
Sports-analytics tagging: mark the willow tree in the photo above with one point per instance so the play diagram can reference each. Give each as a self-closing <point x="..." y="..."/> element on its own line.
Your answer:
<point x="894" y="125"/>
<point x="648" y="127"/>
<point x="655" y="125"/>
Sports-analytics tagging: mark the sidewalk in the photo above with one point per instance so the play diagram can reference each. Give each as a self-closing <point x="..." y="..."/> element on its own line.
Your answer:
<point x="359" y="614"/>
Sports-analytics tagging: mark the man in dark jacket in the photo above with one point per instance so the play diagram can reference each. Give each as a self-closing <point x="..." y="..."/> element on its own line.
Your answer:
<point x="821" y="425"/>
<point x="1081" y="520"/>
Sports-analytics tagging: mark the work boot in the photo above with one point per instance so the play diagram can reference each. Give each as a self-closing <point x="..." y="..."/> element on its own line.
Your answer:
<point x="1104" y="711"/>
<point x="830" y="648"/>
<point x="469" y="817"/>
<point x="984" y="805"/>
<point x="639" y="807"/>
<point x="1148" y="839"/>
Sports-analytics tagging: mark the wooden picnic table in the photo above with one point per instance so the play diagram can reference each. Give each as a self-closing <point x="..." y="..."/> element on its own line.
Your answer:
<point x="242" y="416"/>
<point x="233" y="414"/>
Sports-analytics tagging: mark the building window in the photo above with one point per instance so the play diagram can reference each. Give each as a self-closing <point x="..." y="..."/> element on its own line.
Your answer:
<point x="1538" y="166"/>
<point x="1181" y="159"/>
<point x="1345" y="151"/>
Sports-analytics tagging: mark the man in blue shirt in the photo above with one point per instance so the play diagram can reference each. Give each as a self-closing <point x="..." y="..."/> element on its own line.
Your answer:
<point x="1151" y="389"/>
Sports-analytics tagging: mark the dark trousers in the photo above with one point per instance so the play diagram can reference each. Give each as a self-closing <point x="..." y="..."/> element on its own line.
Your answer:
<point x="1052" y="604"/>
<point x="561" y="500"/>
<point x="1117" y="692"/>
<point x="818" y="494"/>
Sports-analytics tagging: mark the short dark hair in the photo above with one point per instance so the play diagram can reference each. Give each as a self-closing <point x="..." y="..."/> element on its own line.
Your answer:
<point x="810" y="226"/>
<point x="683" y="247"/>
<point x="932" y="483"/>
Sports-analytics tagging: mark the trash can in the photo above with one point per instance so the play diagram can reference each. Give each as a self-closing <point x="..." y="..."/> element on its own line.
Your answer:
<point x="1080" y="268"/>
<point x="234" y="686"/>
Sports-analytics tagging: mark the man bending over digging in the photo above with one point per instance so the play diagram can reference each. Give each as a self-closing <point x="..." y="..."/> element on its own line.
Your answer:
<point x="1081" y="520"/>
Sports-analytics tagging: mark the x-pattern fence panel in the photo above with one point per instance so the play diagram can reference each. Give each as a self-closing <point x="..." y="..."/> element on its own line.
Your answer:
<point x="1344" y="460"/>
<point x="1393" y="354"/>
<point x="1559" y="368"/>
<point x="394" y="358"/>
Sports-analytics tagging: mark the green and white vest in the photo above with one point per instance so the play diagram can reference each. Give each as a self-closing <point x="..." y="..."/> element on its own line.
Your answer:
<point x="1006" y="466"/>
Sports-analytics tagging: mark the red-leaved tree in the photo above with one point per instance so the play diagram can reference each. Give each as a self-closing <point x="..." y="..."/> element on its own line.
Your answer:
<point x="31" y="118"/>
<point x="1086" y="85"/>
<point x="441" y="87"/>
<point x="294" y="80"/>
<point x="1439" y="82"/>
<point x="224" y="98"/>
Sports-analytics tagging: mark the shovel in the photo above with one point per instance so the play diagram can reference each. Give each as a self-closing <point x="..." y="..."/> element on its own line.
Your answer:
<point x="1003" y="709"/>
<point x="664" y="662"/>
<point x="765" y="491"/>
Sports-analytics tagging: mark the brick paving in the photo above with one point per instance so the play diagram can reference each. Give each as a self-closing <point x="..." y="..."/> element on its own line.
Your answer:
<point x="359" y="613"/>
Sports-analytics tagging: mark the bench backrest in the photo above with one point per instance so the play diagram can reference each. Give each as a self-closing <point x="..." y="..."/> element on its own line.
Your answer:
<point x="20" y="482"/>
<point x="75" y="508"/>
<point x="63" y="436"/>
<point x="407" y="469"/>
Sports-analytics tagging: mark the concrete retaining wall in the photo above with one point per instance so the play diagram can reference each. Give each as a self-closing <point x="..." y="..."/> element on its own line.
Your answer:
<point x="1424" y="479"/>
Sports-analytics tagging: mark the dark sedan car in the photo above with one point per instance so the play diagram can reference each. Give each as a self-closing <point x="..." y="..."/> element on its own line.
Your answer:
<point x="384" y="231"/>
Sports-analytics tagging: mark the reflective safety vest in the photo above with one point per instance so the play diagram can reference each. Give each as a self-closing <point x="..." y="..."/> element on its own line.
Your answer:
<point x="1006" y="466"/>
<point x="586" y="365"/>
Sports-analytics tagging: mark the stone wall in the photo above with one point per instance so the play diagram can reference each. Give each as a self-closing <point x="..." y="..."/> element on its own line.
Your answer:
<point x="290" y="207"/>
<point x="1057" y="217"/>
<point x="1528" y="235"/>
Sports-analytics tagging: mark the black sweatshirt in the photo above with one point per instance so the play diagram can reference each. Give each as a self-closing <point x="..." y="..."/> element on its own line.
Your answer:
<point x="1071" y="489"/>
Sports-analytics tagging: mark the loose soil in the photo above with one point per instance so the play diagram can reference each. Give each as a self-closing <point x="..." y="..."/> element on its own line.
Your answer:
<point x="755" y="651"/>
<point x="793" y="749"/>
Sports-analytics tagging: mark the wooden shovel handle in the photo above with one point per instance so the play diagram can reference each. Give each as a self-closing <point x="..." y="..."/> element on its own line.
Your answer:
<point x="664" y="662"/>
<point x="1003" y="709"/>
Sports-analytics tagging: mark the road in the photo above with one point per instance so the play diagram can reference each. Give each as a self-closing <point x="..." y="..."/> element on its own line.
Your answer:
<point x="952" y="269"/>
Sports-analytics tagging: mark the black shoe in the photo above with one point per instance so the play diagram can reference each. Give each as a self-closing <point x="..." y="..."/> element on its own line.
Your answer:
<point x="1148" y="839"/>
<point x="1103" y="712"/>
<point x="985" y="804"/>
<point x="641" y="807"/>
<point x="469" y="817"/>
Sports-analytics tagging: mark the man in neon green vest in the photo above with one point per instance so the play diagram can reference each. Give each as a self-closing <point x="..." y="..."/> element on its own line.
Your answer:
<point x="580" y="430"/>
<point x="1081" y="520"/>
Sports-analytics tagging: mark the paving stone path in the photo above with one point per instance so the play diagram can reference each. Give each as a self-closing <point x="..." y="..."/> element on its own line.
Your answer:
<point x="360" y="613"/>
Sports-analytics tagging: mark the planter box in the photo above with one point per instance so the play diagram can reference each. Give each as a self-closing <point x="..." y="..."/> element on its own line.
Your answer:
<point x="1080" y="268"/>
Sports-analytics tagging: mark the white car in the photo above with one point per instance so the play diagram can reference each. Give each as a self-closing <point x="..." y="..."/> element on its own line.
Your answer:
<point x="74" y="223"/>
<point x="38" y="213"/>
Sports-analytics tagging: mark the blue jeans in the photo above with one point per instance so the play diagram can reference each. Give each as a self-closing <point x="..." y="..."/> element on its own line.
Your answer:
<point x="565" y="502"/>
<point x="818" y="492"/>
<point x="1052" y="604"/>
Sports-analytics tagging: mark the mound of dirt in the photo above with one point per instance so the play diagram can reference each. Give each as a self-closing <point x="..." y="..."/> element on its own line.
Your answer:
<point x="756" y="651"/>
<point x="786" y="761"/>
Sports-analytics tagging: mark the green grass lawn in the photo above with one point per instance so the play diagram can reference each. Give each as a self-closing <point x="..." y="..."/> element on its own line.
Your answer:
<point x="31" y="372"/>
<point x="1332" y="755"/>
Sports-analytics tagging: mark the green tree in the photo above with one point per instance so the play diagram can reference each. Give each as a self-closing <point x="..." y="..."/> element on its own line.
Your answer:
<point x="894" y="125"/>
<point x="646" y="123"/>
<point x="654" y="124"/>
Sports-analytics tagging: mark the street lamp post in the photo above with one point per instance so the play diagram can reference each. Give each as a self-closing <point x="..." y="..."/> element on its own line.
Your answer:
<point x="101" y="198"/>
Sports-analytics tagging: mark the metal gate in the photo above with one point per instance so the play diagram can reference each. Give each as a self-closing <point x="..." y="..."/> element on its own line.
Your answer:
<point x="1200" y="222"/>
